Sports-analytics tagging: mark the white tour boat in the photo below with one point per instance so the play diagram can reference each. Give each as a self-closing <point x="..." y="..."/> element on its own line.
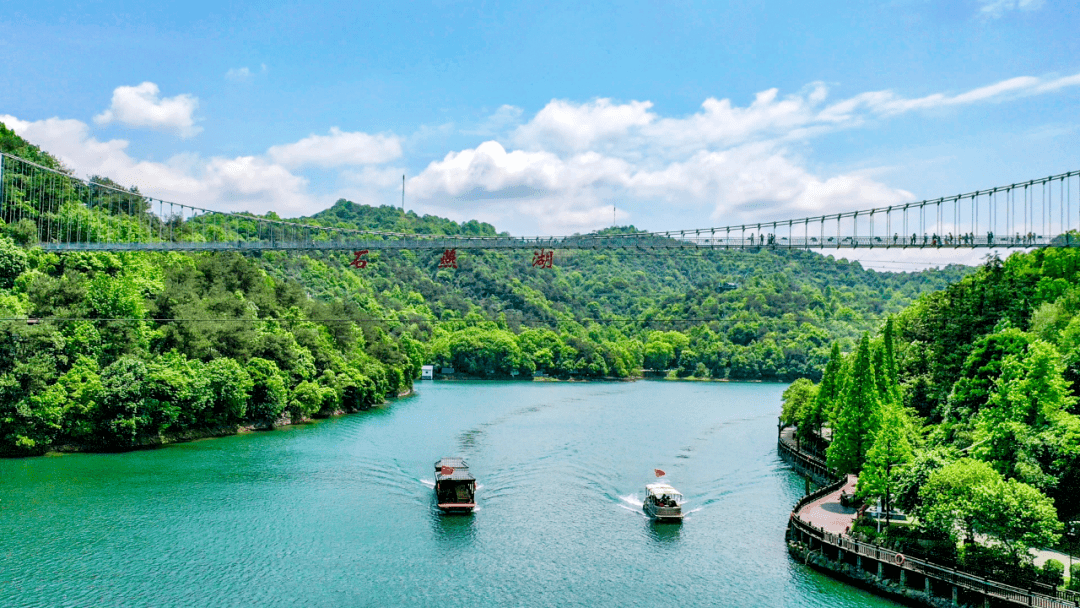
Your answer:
<point x="663" y="502"/>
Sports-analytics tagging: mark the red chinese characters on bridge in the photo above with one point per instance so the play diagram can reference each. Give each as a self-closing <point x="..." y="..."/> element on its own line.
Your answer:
<point x="358" y="259"/>
<point x="449" y="259"/>
<point x="543" y="258"/>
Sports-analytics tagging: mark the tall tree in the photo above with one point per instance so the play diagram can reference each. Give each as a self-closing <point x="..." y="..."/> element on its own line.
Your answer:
<point x="798" y="400"/>
<point x="829" y="390"/>
<point x="881" y="374"/>
<point x="1021" y="517"/>
<point x="1025" y="431"/>
<point x="887" y="458"/>
<point x="859" y="416"/>
<point x="979" y="373"/>
<point x="950" y="501"/>
<point x="968" y="497"/>
<point x="892" y="372"/>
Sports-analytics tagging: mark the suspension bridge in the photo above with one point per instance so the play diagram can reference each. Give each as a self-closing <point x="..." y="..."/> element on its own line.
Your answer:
<point x="60" y="212"/>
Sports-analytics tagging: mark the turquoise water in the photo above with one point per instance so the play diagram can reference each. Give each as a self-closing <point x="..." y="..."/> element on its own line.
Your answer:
<point x="341" y="512"/>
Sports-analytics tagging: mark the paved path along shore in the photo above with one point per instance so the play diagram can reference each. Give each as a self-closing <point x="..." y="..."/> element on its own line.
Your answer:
<point x="827" y="512"/>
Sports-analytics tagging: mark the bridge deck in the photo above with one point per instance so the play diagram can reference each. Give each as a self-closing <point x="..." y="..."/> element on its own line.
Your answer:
<point x="64" y="213"/>
<point x="469" y="243"/>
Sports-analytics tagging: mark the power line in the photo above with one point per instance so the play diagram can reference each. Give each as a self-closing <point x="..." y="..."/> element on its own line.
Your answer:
<point x="39" y="320"/>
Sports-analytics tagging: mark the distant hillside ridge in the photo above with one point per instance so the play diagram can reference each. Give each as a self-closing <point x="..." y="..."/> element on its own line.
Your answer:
<point x="113" y="351"/>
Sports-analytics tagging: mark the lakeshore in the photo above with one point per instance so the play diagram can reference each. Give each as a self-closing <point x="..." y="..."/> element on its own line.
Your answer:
<point x="286" y="422"/>
<point x="213" y="433"/>
<point x="818" y="535"/>
<point x="339" y="511"/>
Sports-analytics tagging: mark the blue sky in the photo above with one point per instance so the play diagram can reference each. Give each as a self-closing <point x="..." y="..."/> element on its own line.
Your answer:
<point x="539" y="117"/>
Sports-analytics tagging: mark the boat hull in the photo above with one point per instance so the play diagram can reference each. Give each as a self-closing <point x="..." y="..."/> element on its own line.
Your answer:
<point x="457" y="507"/>
<point x="672" y="515"/>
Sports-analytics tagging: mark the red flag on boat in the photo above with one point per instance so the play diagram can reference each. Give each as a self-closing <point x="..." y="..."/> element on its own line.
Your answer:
<point x="447" y="471"/>
<point x="659" y="473"/>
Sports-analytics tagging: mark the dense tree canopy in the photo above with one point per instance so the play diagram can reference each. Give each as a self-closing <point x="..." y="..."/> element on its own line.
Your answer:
<point x="888" y="456"/>
<point x="858" y="417"/>
<point x="979" y="436"/>
<point x="128" y="349"/>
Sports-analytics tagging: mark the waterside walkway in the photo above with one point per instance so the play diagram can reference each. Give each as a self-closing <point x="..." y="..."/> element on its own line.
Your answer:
<point x="828" y="513"/>
<point x="825" y="512"/>
<point x="817" y="534"/>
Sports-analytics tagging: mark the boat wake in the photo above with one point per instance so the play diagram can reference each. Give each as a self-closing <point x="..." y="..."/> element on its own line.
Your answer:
<point x="631" y="502"/>
<point x="428" y="482"/>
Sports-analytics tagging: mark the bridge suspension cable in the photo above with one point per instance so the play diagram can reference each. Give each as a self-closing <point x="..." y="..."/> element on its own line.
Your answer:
<point x="60" y="212"/>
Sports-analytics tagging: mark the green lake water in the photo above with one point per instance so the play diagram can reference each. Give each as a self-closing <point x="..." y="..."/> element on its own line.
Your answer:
<point x="341" y="512"/>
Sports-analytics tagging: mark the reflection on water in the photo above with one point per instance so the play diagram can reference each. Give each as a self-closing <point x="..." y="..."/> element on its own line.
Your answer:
<point x="664" y="533"/>
<point x="454" y="530"/>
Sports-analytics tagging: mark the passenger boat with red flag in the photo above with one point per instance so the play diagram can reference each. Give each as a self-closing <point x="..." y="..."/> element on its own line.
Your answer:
<point x="663" y="503"/>
<point x="455" y="487"/>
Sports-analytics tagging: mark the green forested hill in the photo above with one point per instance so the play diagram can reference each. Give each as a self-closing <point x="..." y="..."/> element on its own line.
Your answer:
<point x="112" y="351"/>
<point x="964" y="413"/>
<point x="625" y="309"/>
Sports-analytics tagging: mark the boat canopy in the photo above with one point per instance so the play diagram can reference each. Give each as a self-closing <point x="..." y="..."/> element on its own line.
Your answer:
<point x="660" y="489"/>
<point x="452" y="461"/>
<point x="457" y="475"/>
<point x="460" y="470"/>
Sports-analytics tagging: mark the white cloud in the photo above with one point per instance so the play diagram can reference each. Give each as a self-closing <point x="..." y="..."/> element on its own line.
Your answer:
<point x="245" y="183"/>
<point x="887" y="103"/>
<point x="375" y="177"/>
<point x="338" y="149"/>
<point x="495" y="124"/>
<point x="1057" y="83"/>
<point x="141" y="106"/>
<point x="567" y="126"/>
<point x="490" y="167"/>
<point x="238" y="74"/>
<point x="632" y="130"/>
<point x="567" y="193"/>
<point x="573" y="161"/>
<point x="721" y="123"/>
<point x="998" y="8"/>
<point x="243" y="74"/>
<point x="560" y="170"/>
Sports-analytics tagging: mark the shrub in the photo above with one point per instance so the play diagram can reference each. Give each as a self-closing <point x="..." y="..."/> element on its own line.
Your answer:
<point x="1053" y="572"/>
<point x="997" y="563"/>
<point x="305" y="401"/>
<point x="231" y="386"/>
<point x="268" y="393"/>
<point x="13" y="261"/>
<point x="23" y="232"/>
